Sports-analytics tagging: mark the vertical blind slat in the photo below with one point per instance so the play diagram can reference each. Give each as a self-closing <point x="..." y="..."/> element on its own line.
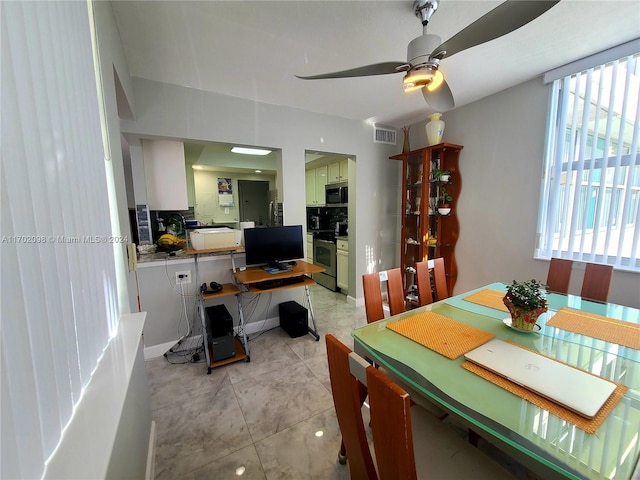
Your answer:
<point x="58" y="321"/>
<point x="591" y="185"/>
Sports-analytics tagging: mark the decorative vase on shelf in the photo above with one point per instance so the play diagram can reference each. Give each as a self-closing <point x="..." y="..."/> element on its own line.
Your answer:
<point x="444" y="209"/>
<point x="405" y="145"/>
<point x="434" y="129"/>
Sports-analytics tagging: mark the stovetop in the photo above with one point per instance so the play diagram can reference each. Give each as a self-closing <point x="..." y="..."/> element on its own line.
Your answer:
<point x="326" y="235"/>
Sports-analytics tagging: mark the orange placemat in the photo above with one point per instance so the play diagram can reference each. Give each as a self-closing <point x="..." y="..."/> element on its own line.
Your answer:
<point x="586" y="424"/>
<point x="597" y="326"/>
<point x="488" y="298"/>
<point x="440" y="334"/>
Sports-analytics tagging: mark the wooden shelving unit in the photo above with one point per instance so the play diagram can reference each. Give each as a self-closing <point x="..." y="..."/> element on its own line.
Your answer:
<point x="425" y="233"/>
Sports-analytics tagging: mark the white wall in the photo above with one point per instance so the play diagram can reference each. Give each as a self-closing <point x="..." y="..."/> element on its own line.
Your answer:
<point x="112" y="64"/>
<point x="174" y="112"/>
<point x="171" y="111"/>
<point x="206" y="187"/>
<point x="501" y="168"/>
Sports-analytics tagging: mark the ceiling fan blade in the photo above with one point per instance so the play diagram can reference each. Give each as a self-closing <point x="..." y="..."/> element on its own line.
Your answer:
<point x="503" y="19"/>
<point x="375" y="69"/>
<point x="441" y="99"/>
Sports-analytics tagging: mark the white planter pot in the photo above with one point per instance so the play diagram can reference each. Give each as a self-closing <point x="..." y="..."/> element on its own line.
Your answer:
<point x="444" y="211"/>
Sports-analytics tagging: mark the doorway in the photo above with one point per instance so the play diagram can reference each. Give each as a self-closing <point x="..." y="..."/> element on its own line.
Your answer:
<point x="253" y="196"/>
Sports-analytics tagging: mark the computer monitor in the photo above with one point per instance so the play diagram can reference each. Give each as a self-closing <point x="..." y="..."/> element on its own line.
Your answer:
<point x="273" y="245"/>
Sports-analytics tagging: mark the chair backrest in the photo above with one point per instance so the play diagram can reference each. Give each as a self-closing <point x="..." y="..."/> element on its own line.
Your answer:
<point x="440" y="279"/>
<point x="373" y="295"/>
<point x="596" y="282"/>
<point x="391" y="427"/>
<point x="423" y="281"/>
<point x="559" y="275"/>
<point x="347" y="394"/>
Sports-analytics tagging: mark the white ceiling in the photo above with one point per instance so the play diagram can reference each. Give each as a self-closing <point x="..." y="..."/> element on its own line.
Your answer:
<point x="253" y="49"/>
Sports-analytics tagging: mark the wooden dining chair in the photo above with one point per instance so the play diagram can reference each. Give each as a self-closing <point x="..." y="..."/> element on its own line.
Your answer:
<point x="423" y="282"/>
<point x="440" y="279"/>
<point x="397" y="426"/>
<point x="348" y="396"/>
<point x="596" y="282"/>
<point x="423" y="277"/>
<point x="371" y="283"/>
<point x="559" y="275"/>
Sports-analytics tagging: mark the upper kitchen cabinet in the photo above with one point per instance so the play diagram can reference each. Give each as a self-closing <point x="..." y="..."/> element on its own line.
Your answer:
<point x="165" y="174"/>
<point x="338" y="171"/>
<point x="315" y="181"/>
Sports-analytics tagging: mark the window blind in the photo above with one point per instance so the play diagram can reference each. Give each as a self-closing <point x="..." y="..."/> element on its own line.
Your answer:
<point x="590" y="197"/>
<point x="59" y="300"/>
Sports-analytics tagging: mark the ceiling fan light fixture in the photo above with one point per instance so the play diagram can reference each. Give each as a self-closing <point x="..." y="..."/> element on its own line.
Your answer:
<point x="250" y="151"/>
<point x="420" y="77"/>
<point x="436" y="81"/>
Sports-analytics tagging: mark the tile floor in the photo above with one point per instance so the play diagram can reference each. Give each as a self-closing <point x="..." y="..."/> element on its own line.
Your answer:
<point x="260" y="416"/>
<point x="271" y="418"/>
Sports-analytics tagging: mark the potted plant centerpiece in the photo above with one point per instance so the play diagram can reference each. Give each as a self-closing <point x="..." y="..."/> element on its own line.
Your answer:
<point x="441" y="175"/>
<point x="526" y="301"/>
<point x="444" y="202"/>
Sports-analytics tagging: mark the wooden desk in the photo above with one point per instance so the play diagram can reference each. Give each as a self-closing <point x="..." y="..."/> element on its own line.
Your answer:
<point x="253" y="275"/>
<point x="241" y="345"/>
<point x="257" y="274"/>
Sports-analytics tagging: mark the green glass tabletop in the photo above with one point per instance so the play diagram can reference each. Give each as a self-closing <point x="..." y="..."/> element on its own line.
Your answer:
<point x="546" y="440"/>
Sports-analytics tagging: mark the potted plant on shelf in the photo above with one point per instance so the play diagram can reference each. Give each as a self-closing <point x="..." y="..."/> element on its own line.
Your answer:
<point x="444" y="202"/>
<point x="526" y="301"/>
<point x="441" y="175"/>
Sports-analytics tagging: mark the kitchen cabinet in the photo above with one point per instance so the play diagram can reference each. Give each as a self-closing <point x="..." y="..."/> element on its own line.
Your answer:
<point x="344" y="170"/>
<point x="191" y="186"/>
<point x="165" y="174"/>
<point x="309" y="248"/>
<point x="310" y="186"/>
<point x="342" y="279"/>
<point x="428" y="232"/>
<point x="338" y="171"/>
<point x="315" y="181"/>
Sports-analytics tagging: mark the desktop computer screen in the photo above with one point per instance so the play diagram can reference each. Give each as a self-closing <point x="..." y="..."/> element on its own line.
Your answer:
<point x="273" y="245"/>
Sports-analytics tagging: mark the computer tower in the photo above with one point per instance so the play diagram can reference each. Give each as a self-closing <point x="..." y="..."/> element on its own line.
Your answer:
<point x="293" y="319"/>
<point x="220" y="336"/>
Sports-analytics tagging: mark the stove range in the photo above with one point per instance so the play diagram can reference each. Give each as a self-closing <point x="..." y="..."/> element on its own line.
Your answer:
<point x="328" y="236"/>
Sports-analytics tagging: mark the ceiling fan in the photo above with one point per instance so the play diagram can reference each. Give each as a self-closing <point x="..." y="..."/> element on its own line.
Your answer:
<point x="425" y="52"/>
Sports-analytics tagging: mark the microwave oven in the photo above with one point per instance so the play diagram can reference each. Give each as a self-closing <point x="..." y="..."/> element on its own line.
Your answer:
<point x="336" y="194"/>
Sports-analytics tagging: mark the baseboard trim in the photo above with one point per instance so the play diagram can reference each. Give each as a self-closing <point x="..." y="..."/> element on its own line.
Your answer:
<point x="151" y="453"/>
<point x="155" y="351"/>
<point x="358" y="302"/>
<point x="261" y="325"/>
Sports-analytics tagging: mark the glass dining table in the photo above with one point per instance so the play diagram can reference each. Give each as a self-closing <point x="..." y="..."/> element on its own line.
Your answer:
<point x="540" y="440"/>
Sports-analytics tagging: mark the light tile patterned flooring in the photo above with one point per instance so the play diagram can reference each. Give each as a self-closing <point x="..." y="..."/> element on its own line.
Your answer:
<point x="263" y="417"/>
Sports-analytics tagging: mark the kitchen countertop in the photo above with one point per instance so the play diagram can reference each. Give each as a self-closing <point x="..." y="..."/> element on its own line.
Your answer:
<point x="151" y="259"/>
<point x="161" y="256"/>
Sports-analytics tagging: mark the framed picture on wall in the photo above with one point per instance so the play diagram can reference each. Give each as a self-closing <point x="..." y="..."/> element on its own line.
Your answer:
<point x="225" y="192"/>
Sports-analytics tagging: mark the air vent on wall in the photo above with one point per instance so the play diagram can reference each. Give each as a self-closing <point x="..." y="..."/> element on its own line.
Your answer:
<point x="384" y="135"/>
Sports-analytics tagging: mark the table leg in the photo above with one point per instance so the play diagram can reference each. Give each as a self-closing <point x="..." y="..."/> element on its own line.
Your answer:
<point x="313" y="331"/>
<point x="202" y="319"/>
<point x="245" y="343"/>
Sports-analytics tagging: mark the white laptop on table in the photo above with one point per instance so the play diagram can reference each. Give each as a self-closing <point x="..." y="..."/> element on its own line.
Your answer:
<point x="574" y="389"/>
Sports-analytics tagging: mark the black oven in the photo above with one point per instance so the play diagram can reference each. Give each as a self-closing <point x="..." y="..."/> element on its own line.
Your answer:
<point x="325" y="255"/>
<point x="336" y="194"/>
